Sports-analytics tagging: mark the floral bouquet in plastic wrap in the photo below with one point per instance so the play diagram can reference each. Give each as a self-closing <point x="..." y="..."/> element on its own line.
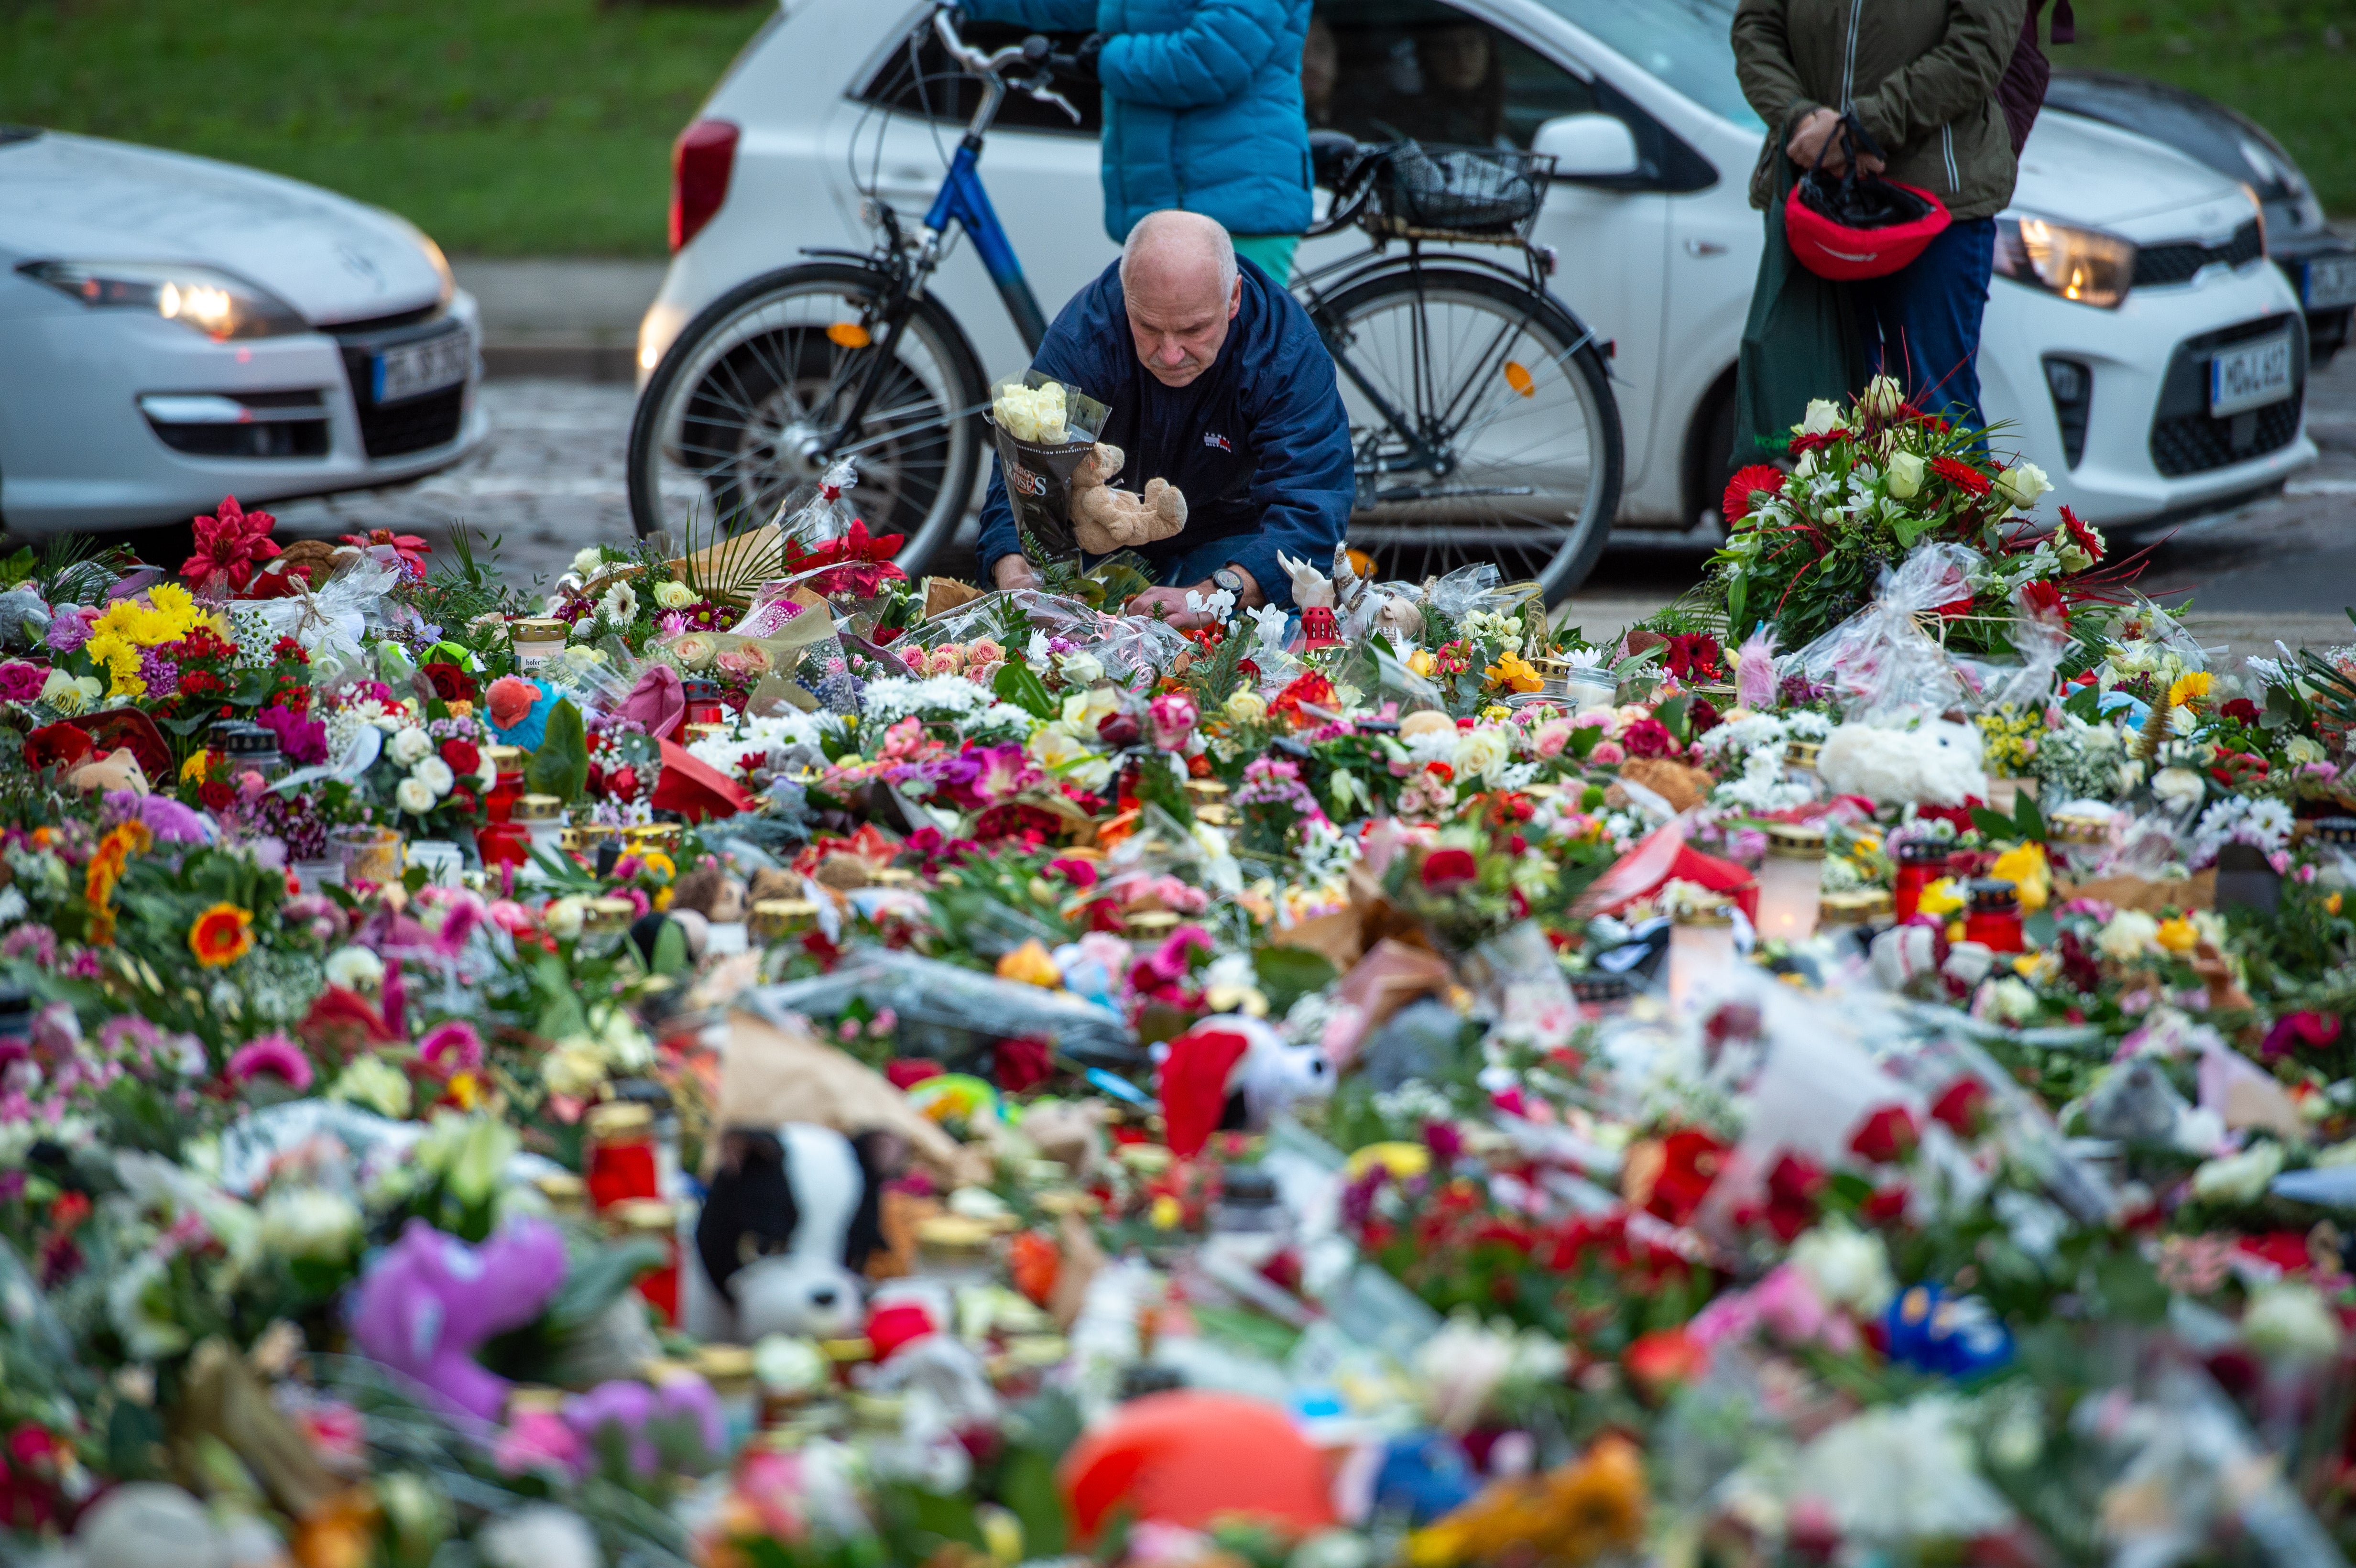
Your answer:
<point x="1870" y="483"/>
<point x="1044" y="429"/>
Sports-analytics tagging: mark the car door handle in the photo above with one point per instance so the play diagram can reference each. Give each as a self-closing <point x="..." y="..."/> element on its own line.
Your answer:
<point x="1704" y="248"/>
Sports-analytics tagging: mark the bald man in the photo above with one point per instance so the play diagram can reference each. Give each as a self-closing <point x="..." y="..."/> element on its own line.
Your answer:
<point x="1216" y="382"/>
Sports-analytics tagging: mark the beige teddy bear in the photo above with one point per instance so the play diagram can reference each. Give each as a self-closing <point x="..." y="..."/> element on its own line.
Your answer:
<point x="1105" y="520"/>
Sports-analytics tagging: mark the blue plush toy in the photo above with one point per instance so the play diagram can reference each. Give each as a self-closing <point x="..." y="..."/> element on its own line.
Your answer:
<point x="1952" y="1336"/>
<point x="531" y="729"/>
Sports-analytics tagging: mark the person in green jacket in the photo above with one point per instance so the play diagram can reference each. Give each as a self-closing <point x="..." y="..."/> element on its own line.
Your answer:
<point x="1921" y="77"/>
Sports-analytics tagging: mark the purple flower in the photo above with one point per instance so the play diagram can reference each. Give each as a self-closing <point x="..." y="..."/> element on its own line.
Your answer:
<point x="304" y="742"/>
<point x="450" y="1049"/>
<point x="36" y="943"/>
<point x="67" y="631"/>
<point x="161" y="673"/>
<point x="172" y="822"/>
<point x="21" y="680"/>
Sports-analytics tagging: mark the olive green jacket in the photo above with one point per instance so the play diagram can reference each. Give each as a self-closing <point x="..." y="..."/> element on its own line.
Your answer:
<point x="1921" y="76"/>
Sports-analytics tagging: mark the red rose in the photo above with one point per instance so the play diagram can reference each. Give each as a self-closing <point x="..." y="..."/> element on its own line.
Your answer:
<point x="622" y="783"/>
<point x="1691" y="1160"/>
<point x="1648" y="737"/>
<point x="1886" y="1136"/>
<point x="1886" y="1204"/>
<point x="905" y="1073"/>
<point x="61" y="745"/>
<point x="464" y="758"/>
<point x="2242" y="710"/>
<point x="1960" y="1106"/>
<point x="215" y="796"/>
<point x="1445" y="870"/>
<point x="1021" y="1064"/>
<point x="450" y="683"/>
<point x="1793" y="1188"/>
<point x="1662" y="1358"/>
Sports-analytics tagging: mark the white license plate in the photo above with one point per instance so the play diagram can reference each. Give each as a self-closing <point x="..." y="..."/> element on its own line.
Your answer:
<point x="428" y="365"/>
<point x="2330" y="282"/>
<point x="2249" y="377"/>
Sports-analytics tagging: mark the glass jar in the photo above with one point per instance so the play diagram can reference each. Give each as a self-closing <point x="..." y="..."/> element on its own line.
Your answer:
<point x="537" y="639"/>
<point x="621" y="1160"/>
<point x="774" y="920"/>
<point x="605" y="923"/>
<point x="1920" y="862"/>
<point x="1701" y="951"/>
<point x="1864" y="908"/>
<point x="507" y="787"/>
<point x="1993" y="919"/>
<point x="955" y="1249"/>
<point x="1791" y="882"/>
<point x="1587" y="688"/>
<point x="251" y="748"/>
<point x="703" y="704"/>
<point x="1800" y="764"/>
<point x="542" y="816"/>
<point x="1248" y="1224"/>
<point x="653" y="1220"/>
<point x="368" y="854"/>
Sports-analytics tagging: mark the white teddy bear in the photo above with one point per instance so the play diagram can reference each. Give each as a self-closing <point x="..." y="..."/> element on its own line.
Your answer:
<point x="1934" y="763"/>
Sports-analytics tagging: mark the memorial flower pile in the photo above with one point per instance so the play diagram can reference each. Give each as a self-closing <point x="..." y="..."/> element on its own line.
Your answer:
<point x="748" y="1058"/>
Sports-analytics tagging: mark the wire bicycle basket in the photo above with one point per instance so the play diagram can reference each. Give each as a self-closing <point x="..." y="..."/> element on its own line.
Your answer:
<point x="1485" y="195"/>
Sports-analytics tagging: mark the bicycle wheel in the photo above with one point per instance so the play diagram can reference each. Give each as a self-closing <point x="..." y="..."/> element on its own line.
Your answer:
<point x="738" y="415"/>
<point x="1484" y="429"/>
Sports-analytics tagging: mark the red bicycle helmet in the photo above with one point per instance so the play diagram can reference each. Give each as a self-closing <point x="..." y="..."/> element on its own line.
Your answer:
<point x="1862" y="226"/>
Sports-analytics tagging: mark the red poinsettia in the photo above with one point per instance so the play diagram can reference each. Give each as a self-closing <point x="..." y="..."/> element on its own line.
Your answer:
<point x="408" y="549"/>
<point x="1747" y="482"/>
<point x="231" y="547"/>
<point x="863" y="563"/>
<point x="1961" y="476"/>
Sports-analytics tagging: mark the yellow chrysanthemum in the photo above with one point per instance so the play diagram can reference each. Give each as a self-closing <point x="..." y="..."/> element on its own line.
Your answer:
<point x="199" y="764"/>
<point x="2187" y="690"/>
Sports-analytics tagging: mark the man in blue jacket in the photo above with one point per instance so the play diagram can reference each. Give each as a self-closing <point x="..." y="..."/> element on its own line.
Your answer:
<point x="1202" y="110"/>
<point x="1216" y="381"/>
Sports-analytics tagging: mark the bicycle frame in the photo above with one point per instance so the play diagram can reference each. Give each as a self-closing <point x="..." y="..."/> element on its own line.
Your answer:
<point x="963" y="201"/>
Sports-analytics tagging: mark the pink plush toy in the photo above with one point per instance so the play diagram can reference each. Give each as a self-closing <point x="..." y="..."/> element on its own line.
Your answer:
<point x="431" y="1300"/>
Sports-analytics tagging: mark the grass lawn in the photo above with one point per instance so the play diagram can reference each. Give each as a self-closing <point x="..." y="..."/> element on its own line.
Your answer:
<point x="510" y="127"/>
<point x="2288" y="64"/>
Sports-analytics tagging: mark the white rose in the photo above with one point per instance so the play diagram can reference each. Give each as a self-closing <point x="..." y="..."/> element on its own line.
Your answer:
<point x="674" y="595"/>
<point x="2011" y="1002"/>
<point x="2238" y="1178"/>
<point x="1481" y="752"/>
<point x="1824" y="417"/>
<point x="1083" y="669"/>
<point x="574" y="1069"/>
<point x="2302" y="749"/>
<point x="355" y="969"/>
<point x="563" y="918"/>
<point x="2178" y="788"/>
<point x="1906" y="472"/>
<point x="620" y="604"/>
<point x="2072" y="558"/>
<point x="2130" y="933"/>
<point x="409" y="745"/>
<point x="309" y="1222"/>
<point x="787" y="1365"/>
<point x="2022" y="482"/>
<point x="414" y="795"/>
<point x="1880" y="398"/>
<point x="1849" y="1267"/>
<point x="2291" y="1319"/>
<point x="1247" y="707"/>
<point x="434" y="774"/>
<point x="587" y="561"/>
<point x="486" y="774"/>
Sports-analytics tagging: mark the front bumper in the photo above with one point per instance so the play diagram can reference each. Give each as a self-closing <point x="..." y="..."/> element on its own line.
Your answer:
<point x="2148" y="449"/>
<point x="142" y="421"/>
<point x="2319" y="268"/>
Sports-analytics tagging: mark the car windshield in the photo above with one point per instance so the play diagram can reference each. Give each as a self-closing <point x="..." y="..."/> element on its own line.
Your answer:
<point x="1685" y="43"/>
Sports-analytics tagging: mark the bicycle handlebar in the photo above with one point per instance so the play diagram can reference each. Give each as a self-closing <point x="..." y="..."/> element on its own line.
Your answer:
<point x="1034" y="53"/>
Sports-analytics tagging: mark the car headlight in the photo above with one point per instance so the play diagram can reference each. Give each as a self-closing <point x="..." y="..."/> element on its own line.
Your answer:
<point x="219" y="304"/>
<point x="2082" y="264"/>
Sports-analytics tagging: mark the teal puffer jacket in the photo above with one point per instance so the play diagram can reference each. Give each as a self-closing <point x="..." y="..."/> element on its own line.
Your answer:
<point x="1201" y="105"/>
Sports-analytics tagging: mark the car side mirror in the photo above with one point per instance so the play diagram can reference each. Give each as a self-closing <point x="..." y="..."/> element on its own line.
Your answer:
<point x="1587" y="146"/>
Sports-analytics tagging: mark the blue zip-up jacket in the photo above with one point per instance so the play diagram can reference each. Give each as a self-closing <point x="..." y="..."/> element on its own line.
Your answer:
<point x="1201" y="105"/>
<point x="1260" y="442"/>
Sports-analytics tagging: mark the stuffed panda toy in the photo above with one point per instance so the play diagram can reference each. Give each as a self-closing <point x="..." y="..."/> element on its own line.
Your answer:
<point x="788" y="1225"/>
<point x="1234" y="1072"/>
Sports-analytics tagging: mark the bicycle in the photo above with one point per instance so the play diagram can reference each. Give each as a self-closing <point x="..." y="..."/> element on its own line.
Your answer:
<point x="1480" y="410"/>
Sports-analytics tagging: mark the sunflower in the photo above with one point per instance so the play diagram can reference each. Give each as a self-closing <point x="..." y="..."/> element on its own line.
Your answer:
<point x="221" y="935"/>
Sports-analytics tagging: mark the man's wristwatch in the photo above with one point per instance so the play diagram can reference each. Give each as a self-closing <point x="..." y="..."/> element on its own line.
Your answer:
<point x="1229" y="577"/>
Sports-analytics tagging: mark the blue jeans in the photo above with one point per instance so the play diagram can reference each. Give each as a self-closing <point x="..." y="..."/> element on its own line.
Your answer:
<point x="1921" y="322"/>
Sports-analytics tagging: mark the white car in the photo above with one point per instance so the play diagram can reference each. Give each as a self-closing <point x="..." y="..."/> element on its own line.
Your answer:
<point x="175" y="330"/>
<point x="2138" y="346"/>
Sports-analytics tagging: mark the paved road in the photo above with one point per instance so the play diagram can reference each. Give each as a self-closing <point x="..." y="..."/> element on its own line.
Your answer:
<point x="550" y="480"/>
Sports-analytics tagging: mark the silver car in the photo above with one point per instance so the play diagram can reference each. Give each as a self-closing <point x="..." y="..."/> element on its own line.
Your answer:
<point x="174" y="330"/>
